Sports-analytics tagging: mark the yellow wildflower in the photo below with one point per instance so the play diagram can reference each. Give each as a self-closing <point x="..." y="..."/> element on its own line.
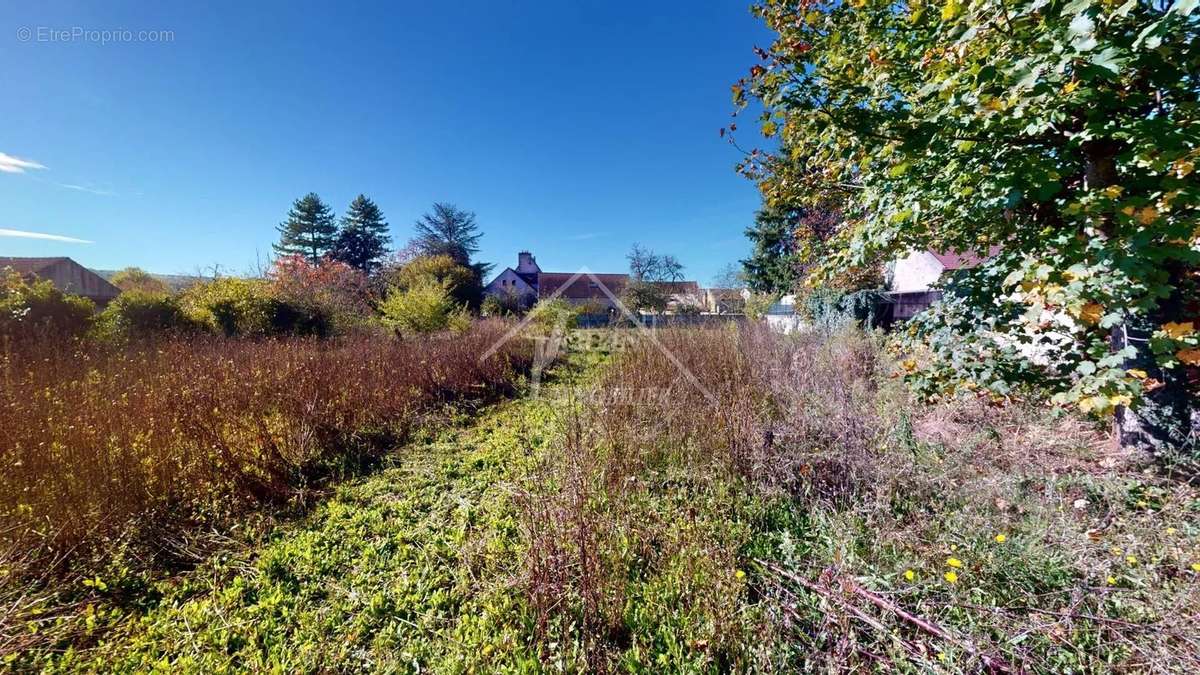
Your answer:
<point x="1001" y="538"/>
<point x="739" y="574"/>
<point x="1112" y="581"/>
<point x="954" y="562"/>
<point x="910" y="575"/>
<point x="1196" y="567"/>
<point x="1131" y="559"/>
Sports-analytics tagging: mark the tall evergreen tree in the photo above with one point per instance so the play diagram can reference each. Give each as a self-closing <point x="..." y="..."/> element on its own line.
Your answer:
<point x="772" y="266"/>
<point x="363" y="238"/>
<point x="309" y="229"/>
<point x="448" y="230"/>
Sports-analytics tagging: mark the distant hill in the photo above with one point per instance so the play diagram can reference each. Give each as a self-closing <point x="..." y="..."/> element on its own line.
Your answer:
<point x="176" y="282"/>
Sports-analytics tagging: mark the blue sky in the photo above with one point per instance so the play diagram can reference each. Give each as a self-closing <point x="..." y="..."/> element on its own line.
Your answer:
<point x="571" y="127"/>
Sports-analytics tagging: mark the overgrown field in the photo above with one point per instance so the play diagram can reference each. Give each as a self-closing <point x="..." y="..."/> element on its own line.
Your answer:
<point x="106" y="445"/>
<point x="707" y="500"/>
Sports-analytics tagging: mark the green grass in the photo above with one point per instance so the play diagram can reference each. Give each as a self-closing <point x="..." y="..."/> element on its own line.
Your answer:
<point x="406" y="569"/>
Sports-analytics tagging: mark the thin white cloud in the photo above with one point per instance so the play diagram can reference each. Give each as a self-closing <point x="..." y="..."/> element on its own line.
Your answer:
<point x="10" y="164"/>
<point x="25" y="234"/>
<point x="84" y="188"/>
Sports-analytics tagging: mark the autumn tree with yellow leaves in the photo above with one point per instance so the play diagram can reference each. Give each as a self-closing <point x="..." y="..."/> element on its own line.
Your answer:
<point x="1065" y="132"/>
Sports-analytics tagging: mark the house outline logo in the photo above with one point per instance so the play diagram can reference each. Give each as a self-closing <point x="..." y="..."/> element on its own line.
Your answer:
<point x="542" y="358"/>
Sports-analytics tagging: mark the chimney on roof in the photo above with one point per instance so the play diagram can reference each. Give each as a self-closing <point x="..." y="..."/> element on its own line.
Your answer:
<point x="526" y="263"/>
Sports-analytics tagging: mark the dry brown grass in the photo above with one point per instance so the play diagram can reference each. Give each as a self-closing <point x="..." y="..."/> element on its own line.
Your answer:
<point x="800" y="461"/>
<point x="96" y="438"/>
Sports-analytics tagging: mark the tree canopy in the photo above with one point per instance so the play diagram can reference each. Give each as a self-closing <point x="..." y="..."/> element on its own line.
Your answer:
<point x="362" y="241"/>
<point x="308" y="231"/>
<point x="1064" y="132"/>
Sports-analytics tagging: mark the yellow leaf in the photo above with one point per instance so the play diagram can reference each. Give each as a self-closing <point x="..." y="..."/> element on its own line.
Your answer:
<point x="1120" y="399"/>
<point x="951" y="10"/>
<point x="1091" y="312"/>
<point x="1137" y="373"/>
<point x="1176" y="331"/>
<point x="1113" y="191"/>
<point x="1147" y="215"/>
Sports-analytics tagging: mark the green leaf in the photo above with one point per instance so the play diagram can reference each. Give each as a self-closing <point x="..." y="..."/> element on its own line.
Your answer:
<point x="898" y="170"/>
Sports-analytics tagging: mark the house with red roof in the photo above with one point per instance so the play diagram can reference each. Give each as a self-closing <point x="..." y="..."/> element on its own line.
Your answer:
<point x="919" y="271"/>
<point x="529" y="284"/>
<point x="914" y="276"/>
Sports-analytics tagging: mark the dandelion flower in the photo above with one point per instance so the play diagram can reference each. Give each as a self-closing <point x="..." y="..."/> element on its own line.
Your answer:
<point x="739" y="574"/>
<point x="954" y="562"/>
<point x="1112" y="581"/>
<point x="1001" y="538"/>
<point x="1131" y="559"/>
<point x="1196" y="567"/>
<point x="910" y="575"/>
<point x="951" y="576"/>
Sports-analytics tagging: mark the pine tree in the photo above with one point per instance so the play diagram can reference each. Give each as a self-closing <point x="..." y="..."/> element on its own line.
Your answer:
<point x="448" y="231"/>
<point x="363" y="238"/>
<point x="771" y="268"/>
<point x="309" y="230"/>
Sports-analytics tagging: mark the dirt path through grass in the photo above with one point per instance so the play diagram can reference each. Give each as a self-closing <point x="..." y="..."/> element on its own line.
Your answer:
<point x="409" y="569"/>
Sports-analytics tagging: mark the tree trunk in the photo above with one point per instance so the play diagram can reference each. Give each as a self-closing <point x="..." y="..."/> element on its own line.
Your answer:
<point x="1163" y="423"/>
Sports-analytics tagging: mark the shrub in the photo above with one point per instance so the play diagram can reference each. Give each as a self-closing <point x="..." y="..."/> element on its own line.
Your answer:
<point x="249" y="307"/>
<point x="424" y="307"/>
<point x="36" y="309"/>
<point x="137" y="313"/>
<point x="231" y="306"/>
<point x="549" y="315"/>
<point x="758" y="304"/>
<point x="460" y="282"/>
<point x="329" y="296"/>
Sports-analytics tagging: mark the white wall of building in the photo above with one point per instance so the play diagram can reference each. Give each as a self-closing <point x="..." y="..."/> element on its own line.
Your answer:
<point x="917" y="272"/>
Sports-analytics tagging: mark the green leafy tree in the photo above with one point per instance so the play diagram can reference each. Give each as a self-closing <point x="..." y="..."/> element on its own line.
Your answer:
<point x="309" y="230"/>
<point x="136" y="278"/>
<point x="362" y="241"/>
<point x="1064" y="132"/>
